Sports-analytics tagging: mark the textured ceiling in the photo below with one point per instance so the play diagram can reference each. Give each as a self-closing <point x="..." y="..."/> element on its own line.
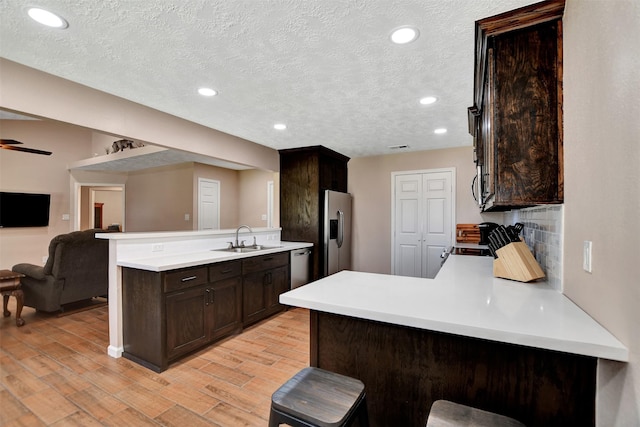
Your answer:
<point x="326" y="68"/>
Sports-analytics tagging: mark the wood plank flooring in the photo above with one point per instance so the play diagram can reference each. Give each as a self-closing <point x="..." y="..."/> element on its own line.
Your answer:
<point x="54" y="371"/>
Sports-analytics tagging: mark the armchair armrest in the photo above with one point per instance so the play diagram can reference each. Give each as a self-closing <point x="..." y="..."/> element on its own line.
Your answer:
<point x="30" y="270"/>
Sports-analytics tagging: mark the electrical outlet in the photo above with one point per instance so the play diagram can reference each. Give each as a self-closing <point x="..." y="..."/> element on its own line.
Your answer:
<point x="264" y="217"/>
<point x="587" y="256"/>
<point x="187" y="217"/>
<point x="65" y="217"/>
<point x="157" y="247"/>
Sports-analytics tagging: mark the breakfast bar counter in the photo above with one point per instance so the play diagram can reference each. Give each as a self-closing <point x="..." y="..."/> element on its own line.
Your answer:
<point x="520" y="349"/>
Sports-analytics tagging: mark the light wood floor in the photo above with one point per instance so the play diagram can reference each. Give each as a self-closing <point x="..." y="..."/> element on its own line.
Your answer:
<point x="55" y="372"/>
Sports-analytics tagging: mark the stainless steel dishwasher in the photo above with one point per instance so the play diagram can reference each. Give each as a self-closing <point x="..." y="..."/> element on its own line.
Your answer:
<point x="300" y="259"/>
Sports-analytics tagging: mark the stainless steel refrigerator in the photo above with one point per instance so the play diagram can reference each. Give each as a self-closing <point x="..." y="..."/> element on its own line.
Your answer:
<point x="337" y="231"/>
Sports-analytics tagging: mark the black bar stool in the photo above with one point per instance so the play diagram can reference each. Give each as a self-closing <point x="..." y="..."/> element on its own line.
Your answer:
<point x="318" y="398"/>
<point x="449" y="414"/>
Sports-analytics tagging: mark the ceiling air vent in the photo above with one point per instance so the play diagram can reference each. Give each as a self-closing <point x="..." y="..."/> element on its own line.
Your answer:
<point x="398" y="147"/>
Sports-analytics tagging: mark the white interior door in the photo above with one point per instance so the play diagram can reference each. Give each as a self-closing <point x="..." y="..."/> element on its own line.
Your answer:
<point x="208" y="204"/>
<point x="437" y="226"/>
<point x="423" y="218"/>
<point x="408" y="232"/>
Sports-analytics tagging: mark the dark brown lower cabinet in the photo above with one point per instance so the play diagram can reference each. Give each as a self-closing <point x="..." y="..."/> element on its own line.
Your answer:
<point x="188" y="321"/>
<point x="227" y="307"/>
<point x="192" y="324"/>
<point x="264" y="279"/>
<point x="167" y="315"/>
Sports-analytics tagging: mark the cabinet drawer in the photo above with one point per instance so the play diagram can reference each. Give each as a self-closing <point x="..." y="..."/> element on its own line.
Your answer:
<point x="187" y="278"/>
<point x="264" y="262"/>
<point x="224" y="270"/>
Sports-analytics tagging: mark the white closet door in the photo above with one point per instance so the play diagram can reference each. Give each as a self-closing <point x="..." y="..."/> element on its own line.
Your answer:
<point x="436" y="220"/>
<point x="423" y="221"/>
<point x="408" y="232"/>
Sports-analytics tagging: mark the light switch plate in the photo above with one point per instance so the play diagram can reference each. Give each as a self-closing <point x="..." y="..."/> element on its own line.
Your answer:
<point x="587" y="256"/>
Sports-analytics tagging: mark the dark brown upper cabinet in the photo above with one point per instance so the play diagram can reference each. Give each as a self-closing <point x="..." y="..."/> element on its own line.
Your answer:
<point x="516" y="119"/>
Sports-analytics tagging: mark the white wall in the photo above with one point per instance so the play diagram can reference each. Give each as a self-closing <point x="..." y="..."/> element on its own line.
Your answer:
<point x="602" y="185"/>
<point x="34" y="173"/>
<point x="370" y="183"/>
<point x="35" y="93"/>
<point x="113" y="206"/>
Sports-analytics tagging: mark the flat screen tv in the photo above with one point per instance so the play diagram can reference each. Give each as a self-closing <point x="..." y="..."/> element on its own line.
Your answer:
<point x="24" y="209"/>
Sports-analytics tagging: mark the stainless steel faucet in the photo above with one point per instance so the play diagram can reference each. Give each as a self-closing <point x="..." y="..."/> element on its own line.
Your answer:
<point x="250" y="231"/>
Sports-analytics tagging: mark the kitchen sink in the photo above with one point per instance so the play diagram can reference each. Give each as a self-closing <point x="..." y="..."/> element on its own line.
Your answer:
<point x="246" y="249"/>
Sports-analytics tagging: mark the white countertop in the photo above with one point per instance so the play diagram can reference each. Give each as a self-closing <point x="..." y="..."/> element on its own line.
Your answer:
<point x="464" y="299"/>
<point x="463" y="245"/>
<point x="172" y="261"/>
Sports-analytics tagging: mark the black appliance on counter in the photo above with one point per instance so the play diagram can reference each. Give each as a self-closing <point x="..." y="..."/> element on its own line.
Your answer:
<point x="485" y="229"/>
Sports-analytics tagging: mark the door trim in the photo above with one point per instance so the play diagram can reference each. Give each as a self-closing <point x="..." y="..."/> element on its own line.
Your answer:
<point x="270" y="199"/>
<point x="452" y="170"/>
<point x="75" y="201"/>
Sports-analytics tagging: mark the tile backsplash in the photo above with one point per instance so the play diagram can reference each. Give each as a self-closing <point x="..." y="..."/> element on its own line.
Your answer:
<point x="543" y="234"/>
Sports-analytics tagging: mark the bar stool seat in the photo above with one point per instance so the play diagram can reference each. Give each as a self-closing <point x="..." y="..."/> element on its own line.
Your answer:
<point x="449" y="414"/>
<point x="319" y="398"/>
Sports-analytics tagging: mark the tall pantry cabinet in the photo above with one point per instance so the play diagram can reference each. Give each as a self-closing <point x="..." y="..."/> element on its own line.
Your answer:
<point x="305" y="173"/>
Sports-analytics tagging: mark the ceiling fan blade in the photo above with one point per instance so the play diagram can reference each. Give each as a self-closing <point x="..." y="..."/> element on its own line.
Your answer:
<point x="9" y="141"/>
<point x="26" y="150"/>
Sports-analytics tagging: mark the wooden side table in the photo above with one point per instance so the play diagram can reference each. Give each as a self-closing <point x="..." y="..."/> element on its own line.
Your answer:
<point x="10" y="286"/>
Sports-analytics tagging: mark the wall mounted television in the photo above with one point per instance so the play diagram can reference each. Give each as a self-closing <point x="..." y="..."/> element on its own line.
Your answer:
<point x="24" y="209"/>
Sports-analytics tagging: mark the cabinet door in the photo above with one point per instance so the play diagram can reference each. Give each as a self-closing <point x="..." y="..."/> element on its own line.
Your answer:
<point x="488" y="147"/>
<point x="278" y="283"/>
<point x="526" y="117"/>
<point x="254" y="296"/>
<point x="227" y="307"/>
<point x="187" y="322"/>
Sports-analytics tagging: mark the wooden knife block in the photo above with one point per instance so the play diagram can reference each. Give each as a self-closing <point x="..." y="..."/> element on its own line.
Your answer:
<point x="516" y="262"/>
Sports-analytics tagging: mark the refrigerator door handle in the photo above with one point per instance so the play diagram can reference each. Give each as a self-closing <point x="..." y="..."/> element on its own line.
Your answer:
<point x="340" y="237"/>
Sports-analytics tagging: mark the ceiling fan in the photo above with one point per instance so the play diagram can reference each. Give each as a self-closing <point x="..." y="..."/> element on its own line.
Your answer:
<point x="11" y="144"/>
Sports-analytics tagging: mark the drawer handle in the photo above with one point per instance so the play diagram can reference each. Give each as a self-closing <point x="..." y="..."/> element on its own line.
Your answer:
<point x="186" y="279"/>
<point x="226" y="271"/>
<point x="207" y="297"/>
<point x="267" y="259"/>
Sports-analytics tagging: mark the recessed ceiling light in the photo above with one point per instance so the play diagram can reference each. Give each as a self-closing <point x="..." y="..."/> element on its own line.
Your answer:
<point x="280" y="126"/>
<point x="440" y="131"/>
<point x="47" y="18"/>
<point x="205" y="91"/>
<point x="428" y="100"/>
<point x="404" y="35"/>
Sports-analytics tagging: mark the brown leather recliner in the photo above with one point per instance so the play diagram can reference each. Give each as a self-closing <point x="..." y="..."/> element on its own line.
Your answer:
<point x="77" y="269"/>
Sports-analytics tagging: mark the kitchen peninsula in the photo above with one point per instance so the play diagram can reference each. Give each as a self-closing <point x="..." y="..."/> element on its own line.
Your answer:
<point x="519" y="349"/>
<point x="157" y="258"/>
